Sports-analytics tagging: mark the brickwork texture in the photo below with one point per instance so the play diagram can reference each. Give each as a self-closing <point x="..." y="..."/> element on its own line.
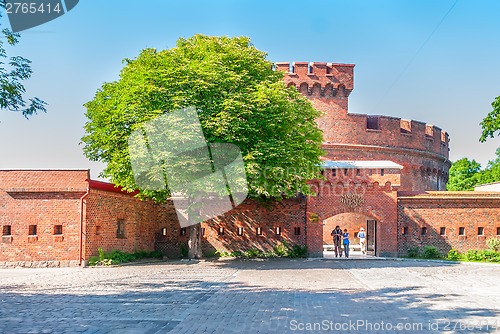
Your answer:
<point x="56" y="218"/>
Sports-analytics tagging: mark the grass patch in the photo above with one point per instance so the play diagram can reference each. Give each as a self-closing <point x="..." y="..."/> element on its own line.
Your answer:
<point x="117" y="257"/>
<point x="473" y="255"/>
<point x="281" y="249"/>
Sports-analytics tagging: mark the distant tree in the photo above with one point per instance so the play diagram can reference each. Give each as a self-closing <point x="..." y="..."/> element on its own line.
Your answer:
<point x="240" y="100"/>
<point x="463" y="175"/>
<point x="492" y="171"/>
<point x="491" y="123"/>
<point x="11" y="76"/>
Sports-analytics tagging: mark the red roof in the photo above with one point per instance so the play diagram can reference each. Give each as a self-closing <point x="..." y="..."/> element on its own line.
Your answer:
<point x="106" y="186"/>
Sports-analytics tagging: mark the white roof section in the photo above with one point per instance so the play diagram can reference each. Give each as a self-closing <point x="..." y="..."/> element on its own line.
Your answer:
<point x="493" y="186"/>
<point x="361" y="164"/>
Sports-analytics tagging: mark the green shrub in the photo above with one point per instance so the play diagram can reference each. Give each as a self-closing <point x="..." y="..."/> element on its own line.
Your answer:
<point x="454" y="255"/>
<point x="281" y="249"/>
<point x="252" y="253"/>
<point x="237" y="254"/>
<point x="93" y="261"/>
<point x="101" y="254"/>
<point x="184" y="250"/>
<point x="413" y="252"/>
<point x="485" y="255"/>
<point x="474" y="255"/>
<point x="268" y="255"/>
<point x="491" y="256"/>
<point x="220" y="253"/>
<point x="211" y="253"/>
<point x="431" y="252"/>
<point x="298" y="252"/>
<point x="156" y="255"/>
<point x="116" y="257"/>
<point x="493" y="244"/>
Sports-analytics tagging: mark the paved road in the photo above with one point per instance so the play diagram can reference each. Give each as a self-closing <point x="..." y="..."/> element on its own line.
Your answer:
<point x="272" y="296"/>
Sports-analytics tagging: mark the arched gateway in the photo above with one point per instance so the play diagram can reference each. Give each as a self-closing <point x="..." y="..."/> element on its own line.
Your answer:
<point x="352" y="221"/>
<point x="355" y="194"/>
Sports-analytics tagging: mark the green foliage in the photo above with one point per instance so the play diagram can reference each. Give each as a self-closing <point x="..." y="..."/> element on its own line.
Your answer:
<point x="473" y="255"/>
<point x="481" y="255"/>
<point x="236" y="254"/>
<point x="284" y="250"/>
<point x="253" y="253"/>
<point x="413" y="252"/>
<point x="298" y="252"/>
<point x="491" y="123"/>
<point x="184" y="249"/>
<point x="240" y="100"/>
<point x="210" y="254"/>
<point x="491" y="256"/>
<point x="11" y="87"/>
<point x="116" y="257"/>
<point x="453" y="255"/>
<point x="492" y="171"/>
<point x="463" y="175"/>
<point x="281" y="249"/>
<point x="431" y="252"/>
<point x="493" y="244"/>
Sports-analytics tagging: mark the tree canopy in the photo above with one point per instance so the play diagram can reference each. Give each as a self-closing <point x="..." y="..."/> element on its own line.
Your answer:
<point x="492" y="171"/>
<point x="491" y="123"/>
<point x="12" y="73"/>
<point x="240" y="100"/>
<point x="465" y="174"/>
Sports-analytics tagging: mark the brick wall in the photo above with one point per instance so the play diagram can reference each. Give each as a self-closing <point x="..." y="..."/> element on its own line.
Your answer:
<point x="451" y="211"/>
<point x="105" y="210"/>
<point x="52" y="201"/>
<point x="287" y="215"/>
<point x="49" y="200"/>
<point x="169" y="236"/>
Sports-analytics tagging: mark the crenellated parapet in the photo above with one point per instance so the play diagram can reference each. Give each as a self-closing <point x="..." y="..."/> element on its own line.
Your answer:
<point x="319" y="79"/>
<point x="384" y="131"/>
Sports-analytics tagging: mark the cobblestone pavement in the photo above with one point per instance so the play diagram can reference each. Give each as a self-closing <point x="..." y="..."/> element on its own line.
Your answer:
<point x="258" y="296"/>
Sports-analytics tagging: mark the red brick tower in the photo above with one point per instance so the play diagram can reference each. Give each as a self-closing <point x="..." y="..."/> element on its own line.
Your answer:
<point x="421" y="149"/>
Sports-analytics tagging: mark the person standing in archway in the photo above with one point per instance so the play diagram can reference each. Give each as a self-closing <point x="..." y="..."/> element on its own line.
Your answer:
<point x="346" y="242"/>
<point x="362" y="240"/>
<point x="337" y="238"/>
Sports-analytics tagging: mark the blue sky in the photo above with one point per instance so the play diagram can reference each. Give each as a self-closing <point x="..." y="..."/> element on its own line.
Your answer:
<point x="405" y="67"/>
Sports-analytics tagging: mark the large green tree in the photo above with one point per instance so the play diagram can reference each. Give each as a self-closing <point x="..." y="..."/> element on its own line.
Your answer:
<point x="463" y="175"/>
<point x="492" y="171"/>
<point x="466" y="174"/>
<point x="13" y="71"/>
<point x="240" y="100"/>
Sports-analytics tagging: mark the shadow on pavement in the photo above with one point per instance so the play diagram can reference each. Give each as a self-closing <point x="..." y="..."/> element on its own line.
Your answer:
<point x="163" y="304"/>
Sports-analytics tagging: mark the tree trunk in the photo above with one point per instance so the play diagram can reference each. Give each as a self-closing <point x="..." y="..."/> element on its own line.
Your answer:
<point x="194" y="242"/>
